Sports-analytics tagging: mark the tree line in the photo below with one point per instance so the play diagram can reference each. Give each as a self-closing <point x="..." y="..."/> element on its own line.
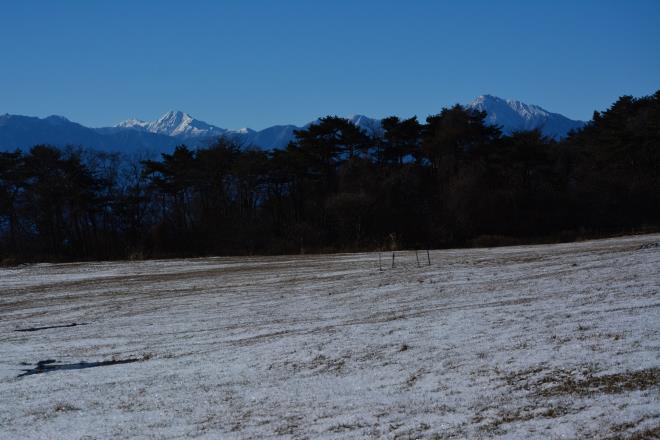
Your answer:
<point x="451" y="180"/>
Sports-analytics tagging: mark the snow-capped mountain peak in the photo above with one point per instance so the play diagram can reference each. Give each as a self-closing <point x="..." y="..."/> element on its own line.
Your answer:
<point x="369" y="125"/>
<point x="177" y="124"/>
<point x="514" y="115"/>
<point x="173" y="123"/>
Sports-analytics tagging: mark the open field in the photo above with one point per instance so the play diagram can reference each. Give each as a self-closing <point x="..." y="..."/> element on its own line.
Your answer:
<point x="558" y="341"/>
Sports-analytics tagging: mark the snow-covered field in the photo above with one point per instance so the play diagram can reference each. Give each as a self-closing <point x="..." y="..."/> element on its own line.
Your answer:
<point x="558" y="341"/>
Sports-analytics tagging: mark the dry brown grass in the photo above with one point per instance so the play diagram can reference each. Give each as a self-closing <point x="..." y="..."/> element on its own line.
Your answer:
<point x="607" y="384"/>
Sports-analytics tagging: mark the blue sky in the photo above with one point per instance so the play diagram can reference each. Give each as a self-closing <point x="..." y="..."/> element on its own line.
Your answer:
<point x="259" y="63"/>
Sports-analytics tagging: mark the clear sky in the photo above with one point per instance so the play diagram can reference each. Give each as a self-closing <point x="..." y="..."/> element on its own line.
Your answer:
<point x="258" y="63"/>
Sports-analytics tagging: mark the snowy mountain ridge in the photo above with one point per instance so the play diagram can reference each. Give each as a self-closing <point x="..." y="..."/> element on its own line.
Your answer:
<point x="176" y="127"/>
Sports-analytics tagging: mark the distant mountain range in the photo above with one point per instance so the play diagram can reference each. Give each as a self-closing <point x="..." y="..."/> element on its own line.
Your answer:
<point x="176" y="127"/>
<point x="189" y="130"/>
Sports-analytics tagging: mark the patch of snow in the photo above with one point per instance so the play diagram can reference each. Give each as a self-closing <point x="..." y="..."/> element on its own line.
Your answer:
<point x="483" y="343"/>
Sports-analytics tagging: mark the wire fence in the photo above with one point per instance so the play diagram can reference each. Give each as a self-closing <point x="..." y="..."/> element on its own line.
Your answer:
<point x="403" y="259"/>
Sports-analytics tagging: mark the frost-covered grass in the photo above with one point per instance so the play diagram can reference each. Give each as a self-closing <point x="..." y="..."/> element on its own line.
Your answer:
<point x="558" y="341"/>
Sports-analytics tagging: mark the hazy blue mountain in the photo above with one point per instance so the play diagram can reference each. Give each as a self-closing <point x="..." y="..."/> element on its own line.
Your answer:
<point x="21" y="131"/>
<point x="275" y="137"/>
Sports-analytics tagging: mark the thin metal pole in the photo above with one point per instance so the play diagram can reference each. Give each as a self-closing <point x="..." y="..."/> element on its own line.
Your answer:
<point x="392" y="260"/>
<point x="417" y="256"/>
<point x="428" y="256"/>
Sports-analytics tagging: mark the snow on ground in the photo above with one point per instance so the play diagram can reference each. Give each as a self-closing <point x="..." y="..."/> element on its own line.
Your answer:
<point x="559" y="341"/>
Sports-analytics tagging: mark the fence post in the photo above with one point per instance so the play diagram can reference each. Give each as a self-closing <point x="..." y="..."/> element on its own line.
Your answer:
<point x="392" y="259"/>
<point x="380" y="264"/>
<point x="428" y="256"/>
<point x="417" y="256"/>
